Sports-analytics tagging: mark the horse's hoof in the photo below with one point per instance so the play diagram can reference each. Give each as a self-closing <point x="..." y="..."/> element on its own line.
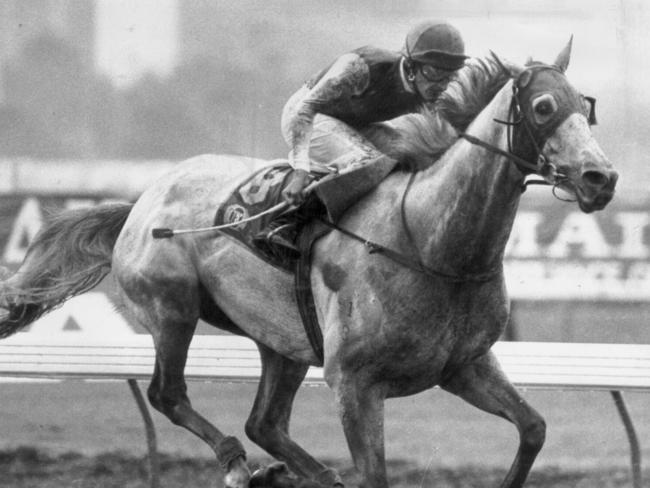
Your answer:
<point x="236" y="480"/>
<point x="277" y="475"/>
<point x="238" y="475"/>
<point x="330" y="478"/>
<point x="270" y="476"/>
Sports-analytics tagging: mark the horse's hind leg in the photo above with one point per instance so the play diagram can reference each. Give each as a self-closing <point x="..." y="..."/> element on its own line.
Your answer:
<point x="483" y="384"/>
<point x="268" y="424"/>
<point x="172" y="328"/>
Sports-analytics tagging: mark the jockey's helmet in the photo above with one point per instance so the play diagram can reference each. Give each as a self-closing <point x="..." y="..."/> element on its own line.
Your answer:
<point x="436" y="43"/>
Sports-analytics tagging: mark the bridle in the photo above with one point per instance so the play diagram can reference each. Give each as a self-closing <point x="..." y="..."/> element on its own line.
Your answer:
<point x="516" y="118"/>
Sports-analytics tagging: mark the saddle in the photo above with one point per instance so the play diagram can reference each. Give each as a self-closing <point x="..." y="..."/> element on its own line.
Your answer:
<point x="263" y="190"/>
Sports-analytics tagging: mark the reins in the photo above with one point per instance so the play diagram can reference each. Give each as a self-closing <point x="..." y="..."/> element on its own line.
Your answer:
<point x="519" y="161"/>
<point x="415" y="265"/>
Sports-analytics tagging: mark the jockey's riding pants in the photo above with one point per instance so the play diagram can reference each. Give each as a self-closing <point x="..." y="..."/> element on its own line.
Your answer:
<point x="334" y="145"/>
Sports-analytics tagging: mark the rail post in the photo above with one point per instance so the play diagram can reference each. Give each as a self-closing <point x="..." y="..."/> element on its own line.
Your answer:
<point x="150" y="429"/>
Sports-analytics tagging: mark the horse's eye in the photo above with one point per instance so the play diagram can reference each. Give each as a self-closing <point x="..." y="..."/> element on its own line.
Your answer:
<point x="544" y="107"/>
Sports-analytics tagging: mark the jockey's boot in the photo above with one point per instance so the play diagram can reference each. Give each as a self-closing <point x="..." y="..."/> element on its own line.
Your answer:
<point x="279" y="234"/>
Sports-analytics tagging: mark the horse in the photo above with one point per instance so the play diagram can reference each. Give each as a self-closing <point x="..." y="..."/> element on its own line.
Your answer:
<point x="390" y="327"/>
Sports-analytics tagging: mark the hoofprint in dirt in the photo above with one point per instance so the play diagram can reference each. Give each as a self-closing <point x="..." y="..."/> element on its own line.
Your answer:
<point x="29" y="467"/>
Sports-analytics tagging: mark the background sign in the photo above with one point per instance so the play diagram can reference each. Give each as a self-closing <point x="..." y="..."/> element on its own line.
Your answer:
<point x="556" y="252"/>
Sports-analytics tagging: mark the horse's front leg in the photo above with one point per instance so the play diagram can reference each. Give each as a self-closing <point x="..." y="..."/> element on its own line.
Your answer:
<point x="268" y="427"/>
<point x="361" y="408"/>
<point x="484" y="385"/>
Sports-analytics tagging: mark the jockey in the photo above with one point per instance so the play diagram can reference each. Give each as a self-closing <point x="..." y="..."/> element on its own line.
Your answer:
<point x="321" y="121"/>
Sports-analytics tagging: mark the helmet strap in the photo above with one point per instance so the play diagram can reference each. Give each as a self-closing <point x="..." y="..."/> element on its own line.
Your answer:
<point x="410" y="75"/>
<point x="409" y="70"/>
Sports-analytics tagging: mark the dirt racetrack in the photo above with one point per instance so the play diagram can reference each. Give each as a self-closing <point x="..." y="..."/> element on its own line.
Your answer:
<point x="31" y="468"/>
<point x="28" y="467"/>
<point x="90" y="435"/>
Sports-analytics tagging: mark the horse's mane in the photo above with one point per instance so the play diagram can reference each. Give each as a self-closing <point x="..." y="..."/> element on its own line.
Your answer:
<point x="418" y="140"/>
<point x="467" y="95"/>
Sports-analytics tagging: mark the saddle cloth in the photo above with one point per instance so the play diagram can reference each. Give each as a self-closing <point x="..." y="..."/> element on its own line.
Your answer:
<point x="259" y="192"/>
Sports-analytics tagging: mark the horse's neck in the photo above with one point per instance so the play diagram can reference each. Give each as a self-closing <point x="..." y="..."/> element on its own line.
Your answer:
<point x="461" y="209"/>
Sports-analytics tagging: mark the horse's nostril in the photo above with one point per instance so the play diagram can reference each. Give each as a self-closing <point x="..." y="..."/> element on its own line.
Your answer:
<point x="595" y="178"/>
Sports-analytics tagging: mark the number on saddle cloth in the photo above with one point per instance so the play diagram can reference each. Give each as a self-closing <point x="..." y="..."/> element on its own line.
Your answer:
<point x="257" y="193"/>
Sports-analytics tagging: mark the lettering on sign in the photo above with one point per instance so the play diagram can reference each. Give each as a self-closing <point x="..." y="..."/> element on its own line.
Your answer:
<point x="579" y="256"/>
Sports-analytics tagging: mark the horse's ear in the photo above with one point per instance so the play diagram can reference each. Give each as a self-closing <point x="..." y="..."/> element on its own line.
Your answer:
<point x="562" y="61"/>
<point x="508" y="67"/>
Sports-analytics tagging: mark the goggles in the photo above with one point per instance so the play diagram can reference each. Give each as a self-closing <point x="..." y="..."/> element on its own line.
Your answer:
<point x="431" y="73"/>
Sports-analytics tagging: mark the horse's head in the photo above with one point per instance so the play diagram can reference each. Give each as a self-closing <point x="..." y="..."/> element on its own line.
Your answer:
<point x="551" y="124"/>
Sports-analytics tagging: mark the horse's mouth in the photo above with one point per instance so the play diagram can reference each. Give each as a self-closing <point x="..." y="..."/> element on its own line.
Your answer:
<point x="595" y="202"/>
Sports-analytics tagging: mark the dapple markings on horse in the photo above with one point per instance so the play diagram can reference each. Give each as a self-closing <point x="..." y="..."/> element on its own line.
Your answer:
<point x="388" y="330"/>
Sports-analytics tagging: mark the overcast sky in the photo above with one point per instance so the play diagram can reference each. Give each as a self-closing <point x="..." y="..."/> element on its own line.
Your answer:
<point x="132" y="34"/>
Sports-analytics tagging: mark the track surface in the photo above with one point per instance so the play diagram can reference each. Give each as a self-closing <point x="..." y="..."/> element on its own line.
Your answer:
<point x="433" y="439"/>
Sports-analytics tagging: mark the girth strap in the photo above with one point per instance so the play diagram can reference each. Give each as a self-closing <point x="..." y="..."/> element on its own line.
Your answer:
<point x="304" y="294"/>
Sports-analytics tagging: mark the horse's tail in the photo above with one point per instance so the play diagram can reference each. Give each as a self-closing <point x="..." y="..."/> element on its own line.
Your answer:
<point x="70" y="255"/>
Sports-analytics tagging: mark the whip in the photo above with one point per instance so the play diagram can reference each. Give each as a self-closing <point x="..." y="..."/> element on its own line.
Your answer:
<point x="166" y="233"/>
